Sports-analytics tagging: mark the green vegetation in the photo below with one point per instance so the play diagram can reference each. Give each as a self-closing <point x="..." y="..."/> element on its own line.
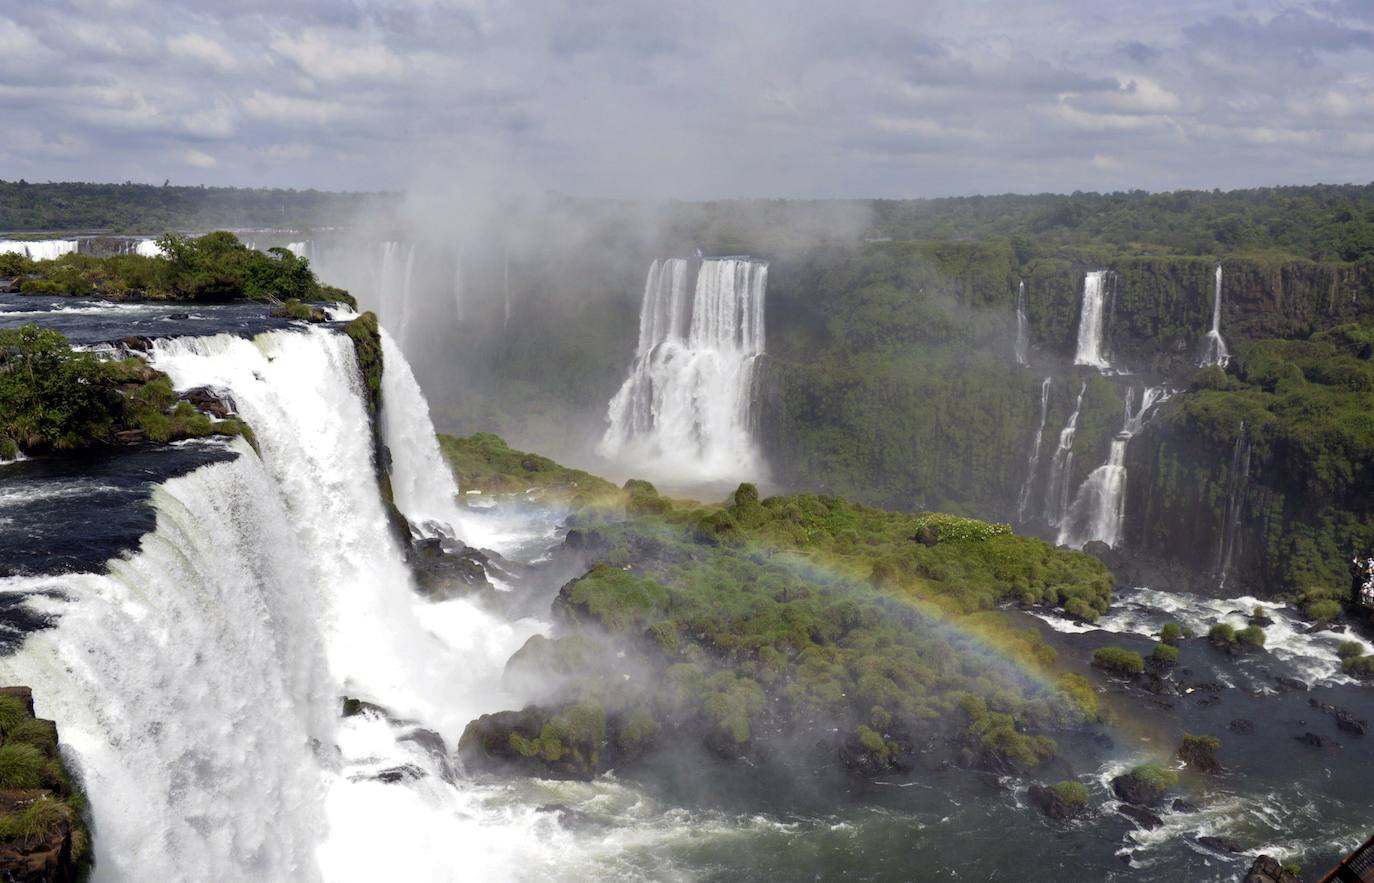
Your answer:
<point x="1359" y="666"/>
<point x="1165" y="654"/>
<point x="1118" y="661"/>
<point x="1171" y="634"/>
<point x="1222" y="634"/>
<point x="42" y="804"/>
<point x="798" y="611"/>
<point x="1155" y="777"/>
<point x="53" y="398"/>
<point x="1073" y="795"/>
<point x="367" y="345"/>
<point x="1199" y="753"/>
<point x="213" y="267"/>
<point x="1349" y="650"/>
<point x="484" y="462"/>
<point x="1252" y="636"/>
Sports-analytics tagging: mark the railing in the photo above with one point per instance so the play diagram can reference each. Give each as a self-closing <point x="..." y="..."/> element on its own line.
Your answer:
<point x="1358" y="867"/>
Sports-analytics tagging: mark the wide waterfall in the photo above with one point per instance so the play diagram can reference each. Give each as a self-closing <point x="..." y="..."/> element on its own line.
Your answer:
<point x="1021" y="349"/>
<point x="1061" y="466"/>
<point x="686" y="407"/>
<point x="148" y="248"/>
<point x="1099" y="507"/>
<point x="1214" y="349"/>
<point x="1033" y="461"/>
<point x="1091" y="321"/>
<point x="198" y="684"/>
<point x="39" y="250"/>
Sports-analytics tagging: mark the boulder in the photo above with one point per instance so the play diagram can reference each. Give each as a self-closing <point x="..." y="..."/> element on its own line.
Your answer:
<point x="1199" y="753"/>
<point x="1313" y="740"/>
<point x="1141" y="816"/>
<point x="1141" y="789"/>
<point x="1345" y="719"/>
<point x="1268" y="870"/>
<point x="1052" y="803"/>
<point x="448" y="569"/>
<point x="216" y="403"/>
<point x="568" y="742"/>
<point x="1221" y="844"/>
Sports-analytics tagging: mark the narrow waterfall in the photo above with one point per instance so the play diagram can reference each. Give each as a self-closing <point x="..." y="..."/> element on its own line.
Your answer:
<point x="392" y="288"/>
<point x="687" y="405"/>
<point x="1214" y="349"/>
<point x="1022" y="347"/>
<point x="197" y="685"/>
<point x="1091" y="321"/>
<point x="1033" y="462"/>
<point x="39" y="250"/>
<point x="1061" y="466"/>
<point x="424" y="488"/>
<point x="303" y="249"/>
<point x="1236" y="482"/>
<point x="1099" y="507"/>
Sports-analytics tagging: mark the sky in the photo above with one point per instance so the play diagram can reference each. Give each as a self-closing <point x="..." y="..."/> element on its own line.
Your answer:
<point x="713" y="99"/>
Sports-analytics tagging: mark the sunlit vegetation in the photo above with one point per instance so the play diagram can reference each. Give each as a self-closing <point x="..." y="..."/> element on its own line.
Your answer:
<point x="43" y="804"/>
<point x="484" y="462"/>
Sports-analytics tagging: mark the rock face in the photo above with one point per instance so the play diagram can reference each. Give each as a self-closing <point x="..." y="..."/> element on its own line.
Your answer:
<point x="557" y="743"/>
<point x="444" y="569"/>
<point x="1199" y="752"/>
<point x="1267" y="870"/>
<point x="1052" y="803"/>
<point x="1143" y="817"/>
<point x="1138" y="790"/>
<point x="39" y="798"/>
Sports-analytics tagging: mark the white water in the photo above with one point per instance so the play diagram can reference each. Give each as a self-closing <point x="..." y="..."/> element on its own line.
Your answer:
<point x="39" y="250"/>
<point x="1099" y="507"/>
<point x="1311" y="656"/>
<point x="303" y="249"/>
<point x="1237" y="479"/>
<point x="1215" y="351"/>
<point x="1022" y="346"/>
<point x="1061" y="466"/>
<point x="148" y="248"/>
<point x="422" y="485"/>
<point x="686" y="408"/>
<point x="1033" y="462"/>
<point x="1091" y="319"/>
<point x="392" y="295"/>
<point x="197" y="685"/>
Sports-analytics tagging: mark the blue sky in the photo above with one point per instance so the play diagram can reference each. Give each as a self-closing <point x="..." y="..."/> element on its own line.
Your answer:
<point x="866" y="98"/>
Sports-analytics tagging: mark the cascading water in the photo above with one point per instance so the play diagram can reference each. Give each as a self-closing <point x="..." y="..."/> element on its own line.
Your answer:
<point x="1022" y="347"/>
<point x="197" y="684"/>
<point x="1033" y="462"/>
<point x="304" y="249"/>
<point x="392" y="288"/>
<point x="1215" y="351"/>
<point x="686" y="408"/>
<point x="148" y="248"/>
<point x="1091" y="321"/>
<point x="1236" y="481"/>
<point x="1099" y="507"/>
<point x="39" y="250"/>
<point x="1061" y="466"/>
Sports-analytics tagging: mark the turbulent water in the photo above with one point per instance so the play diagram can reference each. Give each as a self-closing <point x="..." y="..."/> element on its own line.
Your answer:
<point x="686" y="408"/>
<point x="1099" y="507"/>
<point x="39" y="250"/>
<point x="1091" y="321"/>
<point x="1215" y="351"/>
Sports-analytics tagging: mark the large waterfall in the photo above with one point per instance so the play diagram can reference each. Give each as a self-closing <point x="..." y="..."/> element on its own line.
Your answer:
<point x="1214" y="350"/>
<point x="197" y="685"/>
<point x="39" y="250"/>
<point x="686" y="408"/>
<point x="1099" y="507"/>
<point x="1061" y="466"/>
<point x="392" y="291"/>
<point x="1091" y="321"/>
<point x="1021" y="349"/>
<point x="1237" y="480"/>
<point x="1033" y="461"/>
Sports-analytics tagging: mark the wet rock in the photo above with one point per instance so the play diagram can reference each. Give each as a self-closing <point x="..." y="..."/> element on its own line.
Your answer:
<point x="1288" y="683"/>
<point x="1242" y="725"/>
<point x="1313" y="740"/>
<point x="406" y="772"/>
<point x="217" y="403"/>
<point x="1053" y="804"/>
<point x="178" y="317"/>
<point x="1139" y="790"/>
<point x="130" y="436"/>
<point x="448" y="569"/>
<point x="569" y="818"/>
<point x="556" y="743"/>
<point x="1181" y="805"/>
<point x="353" y="707"/>
<point x="1268" y="870"/>
<point x="1199" y="753"/>
<point x="136" y="344"/>
<point x="1345" y="719"/>
<point x="1221" y="844"/>
<point x="1141" y="816"/>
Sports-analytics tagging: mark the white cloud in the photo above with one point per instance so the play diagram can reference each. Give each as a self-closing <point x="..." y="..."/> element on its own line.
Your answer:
<point x="198" y="159"/>
<point x="288" y="110"/>
<point x="203" y="50"/>
<point x="331" y="61"/>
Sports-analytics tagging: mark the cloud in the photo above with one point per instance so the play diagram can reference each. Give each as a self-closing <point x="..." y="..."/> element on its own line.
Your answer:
<point x="829" y="98"/>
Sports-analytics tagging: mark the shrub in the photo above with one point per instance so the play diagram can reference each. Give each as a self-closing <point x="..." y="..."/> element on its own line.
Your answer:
<point x="1350" y="649"/>
<point x="1072" y="794"/>
<point x="1324" y="610"/>
<point x="35" y="821"/>
<point x="1251" y="636"/>
<point x="21" y="766"/>
<point x="1359" y="667"/>
<point x="12" y="714"/>
<point x="1165" y="654"/>
<point x="1172" y="633"/>
<point x="1118" y="660"/>
<point x="1222" y="634"/>
<point x="1080" y="610"/>
<point x="1156" y="777"/>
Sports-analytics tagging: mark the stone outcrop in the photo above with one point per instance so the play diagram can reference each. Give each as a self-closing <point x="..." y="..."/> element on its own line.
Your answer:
<point x="1267" y="870"/>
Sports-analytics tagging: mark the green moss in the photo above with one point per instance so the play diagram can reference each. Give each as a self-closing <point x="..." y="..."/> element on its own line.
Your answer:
<point x="1359" y="667"/>
<point x="1165" y="654"/>
<point x="1323" y="610"/>
<point x="1118" y="661"/>
<point x="1172" y="633"/>
<point x="484" y="462"/>
<point x="613" y="598"/>
<point x="1251" y="636"/>
<point x="1156" y="777"/>
<point x="367" y="345"/>
<point x="1346" y="650"/>
<point x="1072" y="794"/>
<point x="1222" y="634"/>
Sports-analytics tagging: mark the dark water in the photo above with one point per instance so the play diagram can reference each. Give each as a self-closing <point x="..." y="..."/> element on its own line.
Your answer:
<point x="87" y="321"/>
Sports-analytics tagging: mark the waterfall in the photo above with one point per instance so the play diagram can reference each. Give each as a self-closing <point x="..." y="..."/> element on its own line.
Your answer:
<point x="305" y="249"/>
<point x="423" y="487"/>
<point x="1061" y="466"/>
<point x="1033" y="462"/>
<point x="686" y="408"/>
<point x="1099" y="507"/>
<point x="1215" y="351"/>
<point x="197" y="684"/>
<point x="148" y="248"/>
<point x="1236" y="481"/>
<point x="1022" y="346"/>
<point x="393" y="289"/>
<point x="39" y="250"/>
<point x="1090" y="321"/>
